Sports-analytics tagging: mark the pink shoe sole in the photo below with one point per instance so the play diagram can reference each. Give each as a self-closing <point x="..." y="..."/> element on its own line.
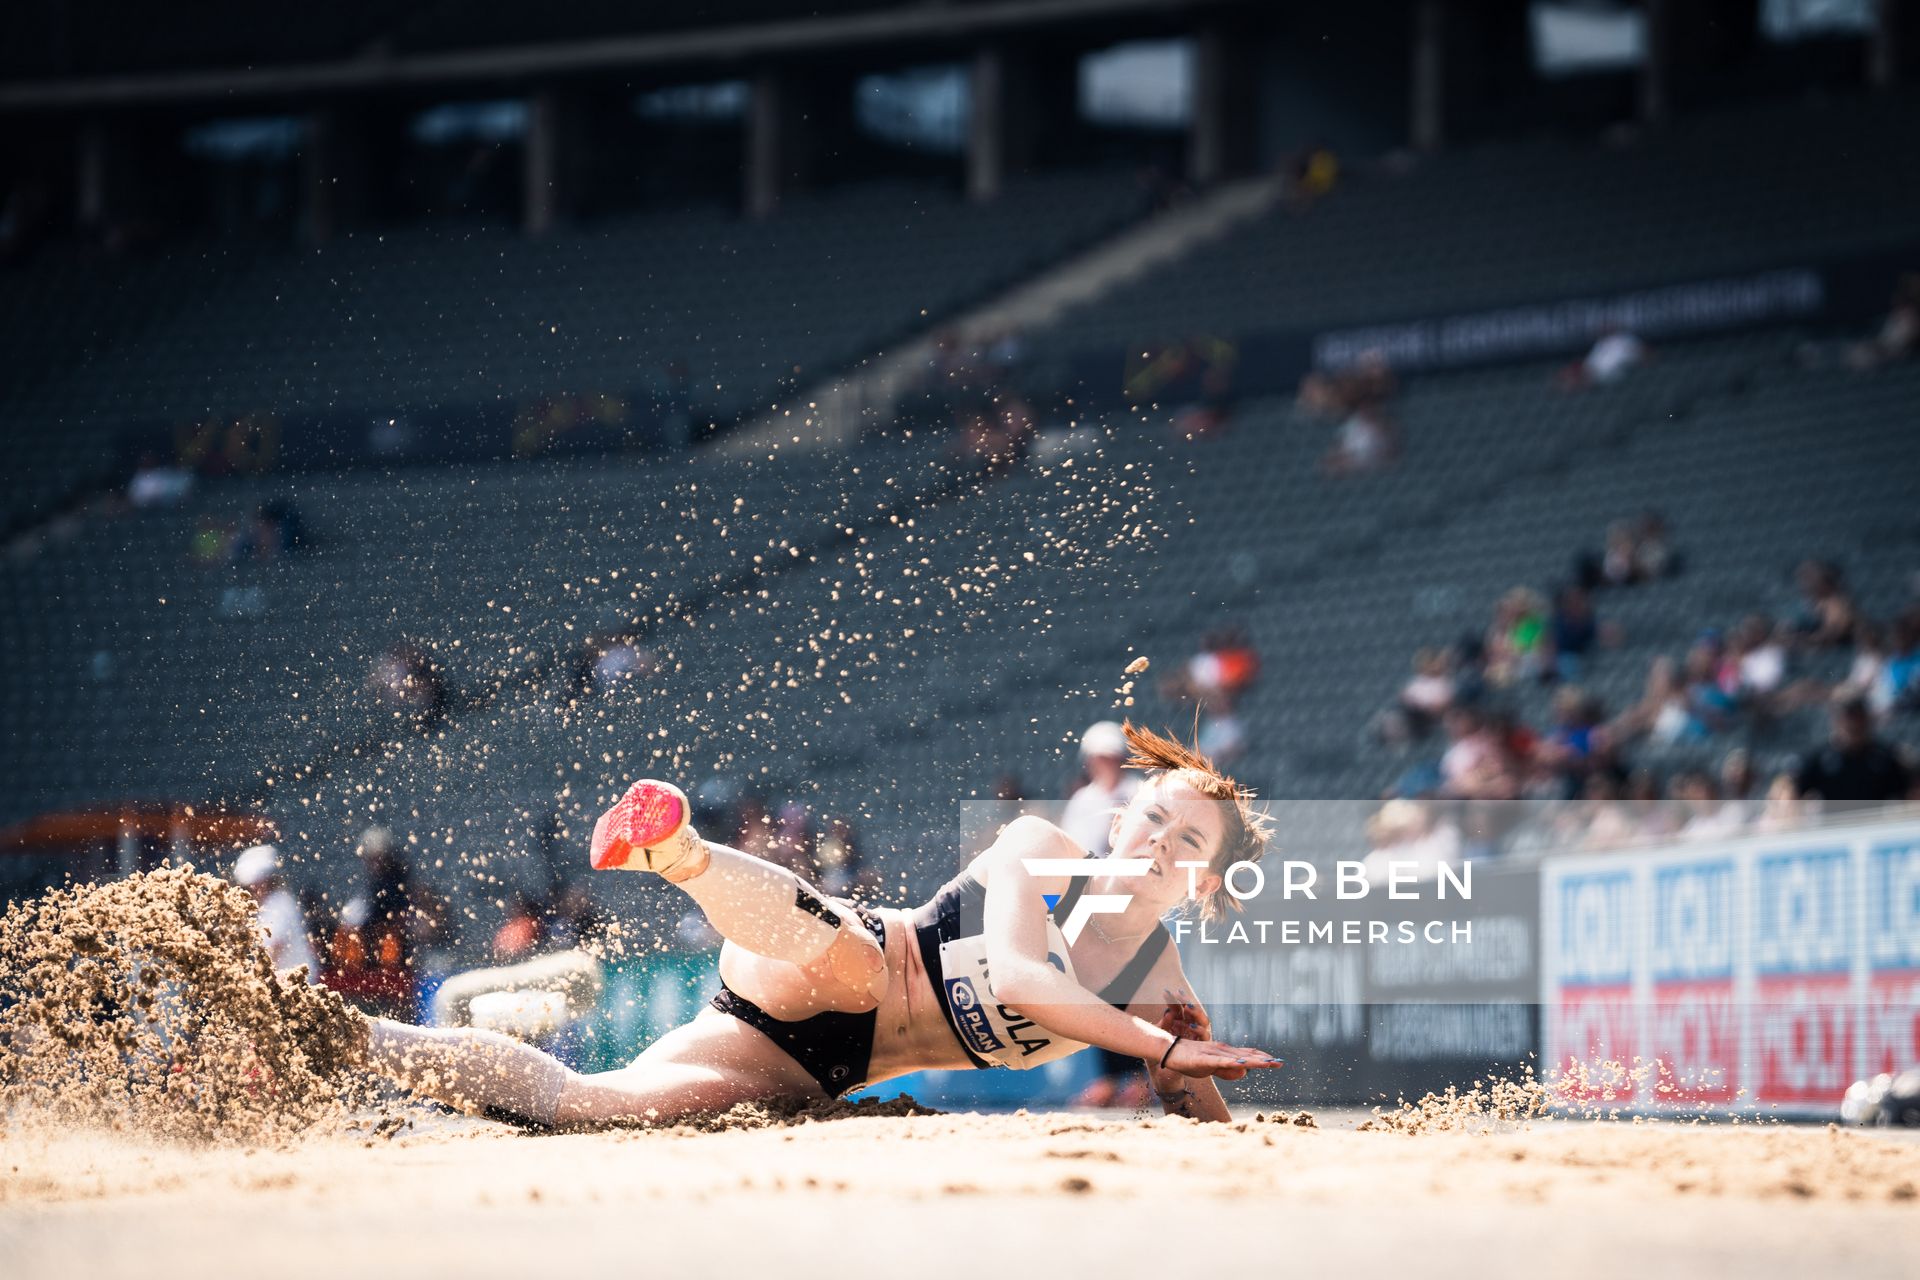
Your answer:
<point x="651" y="813"/>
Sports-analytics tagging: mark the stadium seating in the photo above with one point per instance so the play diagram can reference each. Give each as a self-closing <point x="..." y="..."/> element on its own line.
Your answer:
<point x="886" y="633"/>
<point x="1504" y="224"/>
<point x="386" y="321"/>
<point x="1338" y="580"/>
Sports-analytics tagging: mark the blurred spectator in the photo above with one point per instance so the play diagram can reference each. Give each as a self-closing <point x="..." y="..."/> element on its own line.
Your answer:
<point x="1646" y="808"/>
<point x="1088" y="817"/>
<point x="1008" y="789"/>
<point x="1602" y="818"/>
<point x="1222" y="734"/>
<point x="998" y="434"/>
<point x="1424" y="698"/>
<point x="1573" y="632"/>
<point x="1783" y="809"/>
<point x="272" y="531"/>
<point x="1313" y="173"/>
<point x="754" y="832"/>
<point x="1899" y="335"/>
<point x="1360" y="399"/>
<point x="1364" y="442"/>
<point x="842" y="868"/>
<point x="1469" y="661"/>
<point x="1868" y="677"/>
<point x="520" y="934"/>
<point x="1620" y="562"/>
<point x="371" y="950"/>
<point x="258" y="871"/>
<point x="1209" y="413"/>
<point x="1736" y="777"/>
<point x="1664" y="712"/>
<point x="387" y="885"/>
<point x="155" y="484"/>
<point x="1613" y="355"/>
<point x="1826" y="618"/>
<point x="407" y="682"/>
<point x="1704" y="815"/>
<point x="1477" y="763"/>
<point x="1407" y="832"/>
<point x="1653" y="550"/>
<point x="605" y="662"/>
<point x="1516" y="638"/>
<point x="211" y="541"/>
<point x="1753" y="666"/>
<point x="1901" y="680"/>
<point x="1636" y="550"/>
<point x="572" y="920"/>
<point x="1568" y="752"/>
<point x="1854" y="765"/>
<point x="1707" y="700"/>
<point x="1226" y="667"/>
<point x="318" y="913"/>
<point x="792" y="840"/>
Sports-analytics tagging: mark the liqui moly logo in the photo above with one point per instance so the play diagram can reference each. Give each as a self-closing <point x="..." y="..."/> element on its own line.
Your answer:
<point x="1595" y="928"/>
<point x="1693" y="922"/>
<point x="1893" y="906"/>
<point x="1801" y="915"/>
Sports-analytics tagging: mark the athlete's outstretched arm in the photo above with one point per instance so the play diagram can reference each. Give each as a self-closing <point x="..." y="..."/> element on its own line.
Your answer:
<point x="1016" y="936"/>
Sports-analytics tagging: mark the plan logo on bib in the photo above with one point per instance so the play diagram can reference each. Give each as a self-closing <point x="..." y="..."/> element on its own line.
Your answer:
<point x="1088" y="905"/>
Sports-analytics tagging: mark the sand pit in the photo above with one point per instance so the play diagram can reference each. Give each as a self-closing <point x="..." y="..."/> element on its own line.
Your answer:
<point x="217" y="1132"/>
<point x="951" y="1194"/>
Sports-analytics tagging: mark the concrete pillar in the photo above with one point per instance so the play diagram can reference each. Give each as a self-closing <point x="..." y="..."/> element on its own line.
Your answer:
<point x="1893" y="22"/>
<point x="548" y="186"/>
<point x="767" y="144"/>
<point x="1428" y="96"/>
<point x="1221" y="133"/>
<point x="987" y="120"/>
<point x="337" y="172"/>
<point x="1656" y="77"/>
<point x="94" y="176"/>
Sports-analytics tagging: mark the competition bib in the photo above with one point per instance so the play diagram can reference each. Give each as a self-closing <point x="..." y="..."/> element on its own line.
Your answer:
<point x="994" y="1031"/>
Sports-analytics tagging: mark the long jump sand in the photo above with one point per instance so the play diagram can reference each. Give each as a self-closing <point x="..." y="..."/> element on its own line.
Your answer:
<point x="169" y="1106"/>
<point x="959" y="1195"/>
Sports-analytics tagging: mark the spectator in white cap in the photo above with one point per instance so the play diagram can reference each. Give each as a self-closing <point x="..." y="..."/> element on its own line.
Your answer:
<point x="1089" y="813"/>
<point x="257" y="870"/>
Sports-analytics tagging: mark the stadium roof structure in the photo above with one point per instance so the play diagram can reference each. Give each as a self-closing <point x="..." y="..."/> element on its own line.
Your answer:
<point x="223" y="52"/>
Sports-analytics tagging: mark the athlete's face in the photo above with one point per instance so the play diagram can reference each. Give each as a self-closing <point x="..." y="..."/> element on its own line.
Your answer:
<point x="1168" y="822"/>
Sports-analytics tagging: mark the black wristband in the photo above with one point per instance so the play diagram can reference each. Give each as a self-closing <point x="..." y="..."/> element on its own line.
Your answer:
<point x="1168" y="1053"/>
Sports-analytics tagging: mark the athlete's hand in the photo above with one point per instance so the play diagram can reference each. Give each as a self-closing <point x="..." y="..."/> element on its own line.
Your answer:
<point x="1185" y="1019"/>
<point x="1211" y="1058"/>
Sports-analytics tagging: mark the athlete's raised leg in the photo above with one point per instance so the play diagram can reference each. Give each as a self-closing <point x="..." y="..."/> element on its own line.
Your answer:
<point x="789" y="943"/>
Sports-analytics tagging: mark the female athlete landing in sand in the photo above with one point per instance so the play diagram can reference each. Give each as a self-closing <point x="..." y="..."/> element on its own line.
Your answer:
<point x="819" y="997"/>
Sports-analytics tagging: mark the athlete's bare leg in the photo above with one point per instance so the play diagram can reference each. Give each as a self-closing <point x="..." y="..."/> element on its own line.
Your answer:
<point x="705" y="1066"/>
<point x="708" y="1065"/>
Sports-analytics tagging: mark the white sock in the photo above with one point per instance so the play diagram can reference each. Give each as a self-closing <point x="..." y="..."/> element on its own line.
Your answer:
<point x="469" y="1069"/>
